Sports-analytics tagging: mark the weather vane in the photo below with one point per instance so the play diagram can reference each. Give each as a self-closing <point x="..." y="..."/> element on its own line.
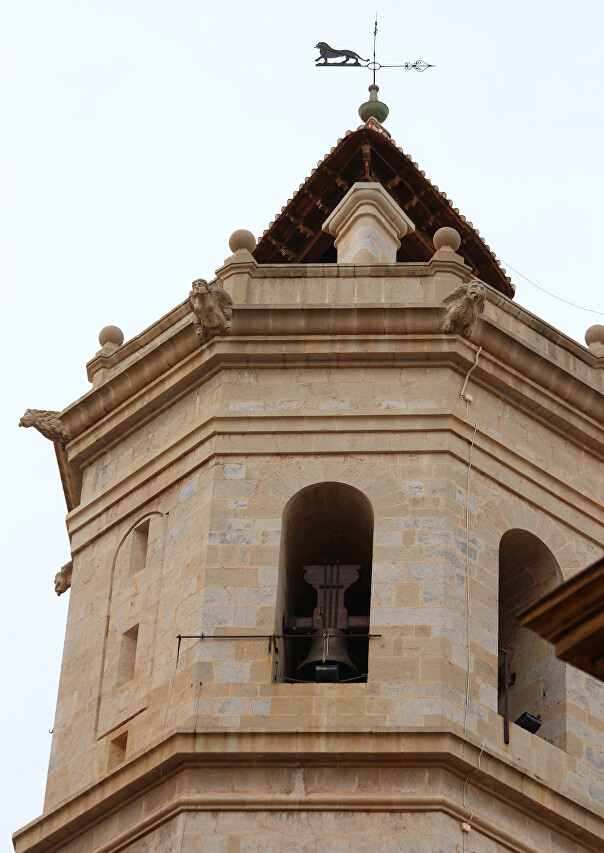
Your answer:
<point x="351" y="59"/>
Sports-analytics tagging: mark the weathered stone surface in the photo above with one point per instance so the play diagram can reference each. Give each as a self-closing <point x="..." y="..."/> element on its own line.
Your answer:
<point x="49" y="424"/>
<point x="63" y="578"/>
<point x="368" y="225"/>
<point x="333" y="377"/>
<point x="463" y="305"/>
<point x="212" y="307"/>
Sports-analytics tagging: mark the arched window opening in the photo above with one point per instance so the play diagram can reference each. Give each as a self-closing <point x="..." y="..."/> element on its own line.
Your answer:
<point x="325" y="584"/>
<point x="536" y="678"/>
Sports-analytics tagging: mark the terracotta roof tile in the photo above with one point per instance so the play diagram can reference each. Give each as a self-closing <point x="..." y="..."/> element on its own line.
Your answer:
<point x="284" y="240"/>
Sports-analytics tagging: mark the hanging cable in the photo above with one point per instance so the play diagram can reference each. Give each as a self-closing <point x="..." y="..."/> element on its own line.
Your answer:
<point x="467" y="398"/>
<point x="467" y="581"/>
<point x="549" y="293"/>
<point x="163" y="731"/>
<point x="466" y="827"/>
<point x="185" y="815"/>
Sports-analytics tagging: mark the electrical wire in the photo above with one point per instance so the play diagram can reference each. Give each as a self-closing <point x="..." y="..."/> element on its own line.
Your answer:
<point x="467" y="579"/>
<point x="163" y="731"/>
<point x="465" y="384"/>
<point x="465" y="788"/>
<point x="186" y="812"/>
<point x="549" y="293"/>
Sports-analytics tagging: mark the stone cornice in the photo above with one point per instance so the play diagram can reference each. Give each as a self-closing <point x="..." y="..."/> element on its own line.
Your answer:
<point x="326" y="321"/>
<point x="428" y="433"/>
<point x="284" y="423"/>
<point x="119" y="407"/>
<point x="184" y="751"/>
<point x="165" y="361"/>
<point x="349" y="271"/>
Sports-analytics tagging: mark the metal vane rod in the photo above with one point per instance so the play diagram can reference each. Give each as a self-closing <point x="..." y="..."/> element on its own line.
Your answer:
<point x="351" y="59"/>
<point x="374" y="41"/>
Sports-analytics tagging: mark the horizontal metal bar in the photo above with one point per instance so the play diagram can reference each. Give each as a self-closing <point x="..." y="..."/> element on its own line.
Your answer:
<point x="263" y="636"/>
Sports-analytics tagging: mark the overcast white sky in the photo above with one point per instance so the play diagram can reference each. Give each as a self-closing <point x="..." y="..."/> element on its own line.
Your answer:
<point x="137" y="135"/>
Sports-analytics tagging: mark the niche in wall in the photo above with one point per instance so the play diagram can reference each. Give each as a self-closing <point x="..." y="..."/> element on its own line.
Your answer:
<point x="325" y="584"/>
<point x="528" y="570"/>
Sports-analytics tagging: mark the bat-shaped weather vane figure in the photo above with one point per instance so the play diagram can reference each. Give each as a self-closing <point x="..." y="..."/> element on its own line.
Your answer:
<point x="351" y="59"/>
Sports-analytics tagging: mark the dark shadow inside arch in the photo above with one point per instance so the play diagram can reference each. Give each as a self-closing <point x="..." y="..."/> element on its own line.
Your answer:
<point x="329" y="527"/>
<point x="527" y="571"/>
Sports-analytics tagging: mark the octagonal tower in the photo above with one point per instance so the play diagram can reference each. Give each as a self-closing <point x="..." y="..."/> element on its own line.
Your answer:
<point x="305" y="510"/>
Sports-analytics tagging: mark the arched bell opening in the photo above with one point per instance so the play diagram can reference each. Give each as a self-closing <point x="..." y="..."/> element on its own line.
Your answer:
<point x="325" y="584"/>
<point x="536" y="679"/>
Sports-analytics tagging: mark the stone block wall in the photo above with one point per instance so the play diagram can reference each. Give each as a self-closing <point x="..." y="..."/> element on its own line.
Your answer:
<point x="329" y="377"/>
<point x="214" y="554"/>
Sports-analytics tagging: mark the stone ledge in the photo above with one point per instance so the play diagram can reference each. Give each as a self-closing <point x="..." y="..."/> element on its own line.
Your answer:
<point x="318" y="320"/>
<point x="398" y="270"/>
<point x="150" y="372"/>
<point x="387" y="350"/>
<point x="492" y="774"/>
<point x="403" y="425"/>
<point x="153" y="396"/>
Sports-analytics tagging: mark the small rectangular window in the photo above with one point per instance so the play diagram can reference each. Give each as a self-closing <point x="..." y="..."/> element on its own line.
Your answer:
<point x="127" y="661"/>
<point x="117" y="750"/>
<point x="138" y="548"/>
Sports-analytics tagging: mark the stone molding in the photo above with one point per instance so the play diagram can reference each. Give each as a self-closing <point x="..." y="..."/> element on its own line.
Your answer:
<point x="151" y="371"/>
<point x="368" y="225"/>
<point x="448" y="434"/>
<point x="161" y="364"/>
<point x="184" y="750"/>
<point x="172" y="322"/>
<point x="559" y="399"/>
<point x="344" y="423"/>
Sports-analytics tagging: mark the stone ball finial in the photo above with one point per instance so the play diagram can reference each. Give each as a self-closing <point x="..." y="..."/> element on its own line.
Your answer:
<point x="111" y="335"/>
<point x="447" y="238"/>
<point x="594" y="338"/>
<point x="242" y="239"/>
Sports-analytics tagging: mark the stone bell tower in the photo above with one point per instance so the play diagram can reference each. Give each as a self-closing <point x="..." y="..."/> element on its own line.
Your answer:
<point x="306" y="508"/>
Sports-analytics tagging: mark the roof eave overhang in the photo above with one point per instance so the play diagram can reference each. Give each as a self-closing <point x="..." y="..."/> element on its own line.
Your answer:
<point x="368" y="153"/>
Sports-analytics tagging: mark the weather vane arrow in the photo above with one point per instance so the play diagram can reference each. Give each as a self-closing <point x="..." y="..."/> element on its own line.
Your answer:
<point x="351" y="59"/>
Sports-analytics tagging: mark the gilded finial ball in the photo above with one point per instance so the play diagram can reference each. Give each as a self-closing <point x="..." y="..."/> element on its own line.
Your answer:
<point x="111" y="335"/>
<point x="594" y="337"/>
<point x="447" y="238"/>
<point x="242" y="239"/>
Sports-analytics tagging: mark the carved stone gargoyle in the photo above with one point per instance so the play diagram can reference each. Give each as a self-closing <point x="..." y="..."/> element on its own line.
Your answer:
<point x="463" y="305"/>
<point x="213" y="310"/>
<point x="48" y="423"/>
<point x="63" y="578"/>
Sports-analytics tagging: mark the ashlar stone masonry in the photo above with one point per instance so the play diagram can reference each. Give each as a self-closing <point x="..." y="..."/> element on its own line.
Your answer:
<point x="451" y="448"/>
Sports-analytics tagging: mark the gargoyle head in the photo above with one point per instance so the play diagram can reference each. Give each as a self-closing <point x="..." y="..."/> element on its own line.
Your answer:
<point x="49" y="424"/>
<point x="63" y="578"/>
<point x="28" y="418"/>
<point x="477" y="294"/>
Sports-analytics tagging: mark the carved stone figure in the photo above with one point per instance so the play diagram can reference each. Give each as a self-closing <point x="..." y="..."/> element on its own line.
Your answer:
<point x="464" y="304"/>
<point x="48" y="423"/>
<point x="213" y="310"/>
<point x="63" y="578"/>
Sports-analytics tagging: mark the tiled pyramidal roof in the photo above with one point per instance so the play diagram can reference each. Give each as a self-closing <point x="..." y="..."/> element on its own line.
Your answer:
<point x="369" y="154"/>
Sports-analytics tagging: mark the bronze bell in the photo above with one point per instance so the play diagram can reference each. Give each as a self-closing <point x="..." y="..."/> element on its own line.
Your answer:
<point x="328" y="659"/>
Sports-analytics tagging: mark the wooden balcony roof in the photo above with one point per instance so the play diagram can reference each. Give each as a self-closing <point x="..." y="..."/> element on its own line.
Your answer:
<point x="572" y="618"/>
